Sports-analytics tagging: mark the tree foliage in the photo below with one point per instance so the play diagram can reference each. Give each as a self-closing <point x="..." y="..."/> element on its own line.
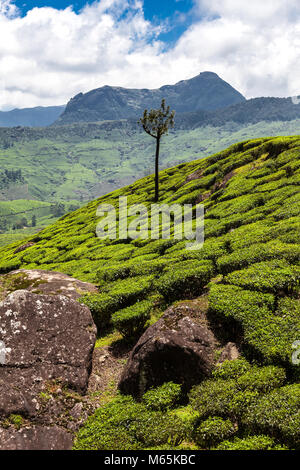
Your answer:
<point x="156" y="123"/>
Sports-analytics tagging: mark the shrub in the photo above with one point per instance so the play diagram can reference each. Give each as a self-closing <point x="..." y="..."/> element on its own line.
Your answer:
<point x="107" y="428"/>
<point x="262" y="379"/>
<point x="16" y="420"/>
<point x="8" y="266"/>
<point x="130" y="321"/>
<point x="158" y="428"/>
<point x="125" y="424"/>
<point x="257" y="253"/>
<point x="251" y="443"/>
<point x="213" y="397"/>
<point x="270" y="276"/>
<point x="157" y="246"/>
<point x="231" y="369"/>
<point x="269" y="335"/>
<point x="101" y="307"/>
<point x="241" y="402"/>
<point x="213" y="248"/>
<point x="187" y="283"/>
<point x="129" y="290"/>
<point x="113" y="273"/>
<point x="212" y="431"/>
<point x="162" y="398"/>
<point x="238" y="205"/>
<point x="130" y="269"/>
<point x="277" y="414"/>
<point x="189" y="416"/>
<point x="236" y="386"/>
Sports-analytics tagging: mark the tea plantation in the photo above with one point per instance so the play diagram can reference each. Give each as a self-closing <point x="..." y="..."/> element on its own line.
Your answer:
<point x="249" y="268"/>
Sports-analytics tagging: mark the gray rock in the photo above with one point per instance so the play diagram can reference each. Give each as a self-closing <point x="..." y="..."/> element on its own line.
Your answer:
<point x="36" y="438"/>
<point x="45" y="338"/>
<point x="176" y="348"/>
<point x="229" y="353"/>
<point x="46" y="282"/>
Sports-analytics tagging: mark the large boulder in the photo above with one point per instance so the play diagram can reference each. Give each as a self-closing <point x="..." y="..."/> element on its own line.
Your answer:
<point x="44" y="282"/>
<point x="179" y="347"/>
<point x="43" y="338"/>
<point x="36" y="438"/>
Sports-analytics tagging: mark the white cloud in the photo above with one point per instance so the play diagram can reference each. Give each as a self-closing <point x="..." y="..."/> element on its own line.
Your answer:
<point x="50" y="55"/>
<point x="8" y="9"/>
<point x="253" y="45"/>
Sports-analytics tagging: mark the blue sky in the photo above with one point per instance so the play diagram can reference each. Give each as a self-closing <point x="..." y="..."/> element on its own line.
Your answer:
<point x="178" y="13"/>
<point x="48" y="55"/>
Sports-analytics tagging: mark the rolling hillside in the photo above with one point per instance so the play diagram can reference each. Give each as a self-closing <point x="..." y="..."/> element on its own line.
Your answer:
<point x="248" y="273"/>
<point x="84" y="161"/>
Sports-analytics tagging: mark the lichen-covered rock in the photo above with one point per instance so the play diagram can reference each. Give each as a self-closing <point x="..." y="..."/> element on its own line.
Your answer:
<point x="36" y="438"/>
<point x="44" y="282"/>
<point x="179" y="347"/>
<point x="44" y="338"/>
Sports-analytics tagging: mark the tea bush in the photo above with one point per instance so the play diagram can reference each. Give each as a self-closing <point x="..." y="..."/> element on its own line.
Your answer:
<point x="101" y="307"/>
<point x="163" y="397"/>
<point x="186" y="283"/>
<point x="249" y="266"/>
<point x="251" y="443"/>
<point x="124" y="424"/>
<point x="212" y="431"/>
<point x="277" y="414"/>
<point x="131" y="321"/>
<point x="270" y="276"/>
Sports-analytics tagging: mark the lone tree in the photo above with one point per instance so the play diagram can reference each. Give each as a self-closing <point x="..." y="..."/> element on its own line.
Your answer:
<point x="156" y="123"/>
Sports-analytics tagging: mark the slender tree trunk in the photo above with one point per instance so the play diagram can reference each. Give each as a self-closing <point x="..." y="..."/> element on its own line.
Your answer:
<point x="157" y="170"/>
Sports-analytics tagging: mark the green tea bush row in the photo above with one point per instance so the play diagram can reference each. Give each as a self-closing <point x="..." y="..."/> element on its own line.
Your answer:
<point x="212" y="431"/>
<point x="272" y="250"/>
<point x="277" y="414"/>
<point x="272" y="276"/>
<point x="232" y="397"/>
<point x="162" y="398"/>
<point x="259" y="442"/>
<point x="124" y="424"/>
<point x="179" y="284"/>
<point x="131" y="321"/>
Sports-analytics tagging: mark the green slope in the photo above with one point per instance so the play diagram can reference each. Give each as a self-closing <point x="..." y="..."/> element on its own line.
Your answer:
<point x="82" y="162"/>
<point x="251" y="194"/>
<point x="249" y="268"/>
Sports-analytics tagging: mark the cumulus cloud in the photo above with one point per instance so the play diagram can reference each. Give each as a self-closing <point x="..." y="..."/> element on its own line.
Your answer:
<point x="8" y="9"/>
<point x="50" y="55"/>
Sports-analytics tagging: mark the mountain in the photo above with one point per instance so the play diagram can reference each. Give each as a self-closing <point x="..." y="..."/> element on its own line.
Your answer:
<point x="207" y="91"/>
<point x="248" y="112"/>
<point x="244" y="284"/>
<point x="31" y="117"/>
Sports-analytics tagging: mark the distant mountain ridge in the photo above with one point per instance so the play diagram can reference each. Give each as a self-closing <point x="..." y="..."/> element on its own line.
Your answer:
<point x="206" y="91"/>
<point x="31" y="117"/>
<point x="203" y="100"/>
<point x="249" y="112"/>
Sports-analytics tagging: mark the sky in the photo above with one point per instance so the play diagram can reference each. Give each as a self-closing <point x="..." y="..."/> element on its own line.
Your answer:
<point x="50" y="50"/>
